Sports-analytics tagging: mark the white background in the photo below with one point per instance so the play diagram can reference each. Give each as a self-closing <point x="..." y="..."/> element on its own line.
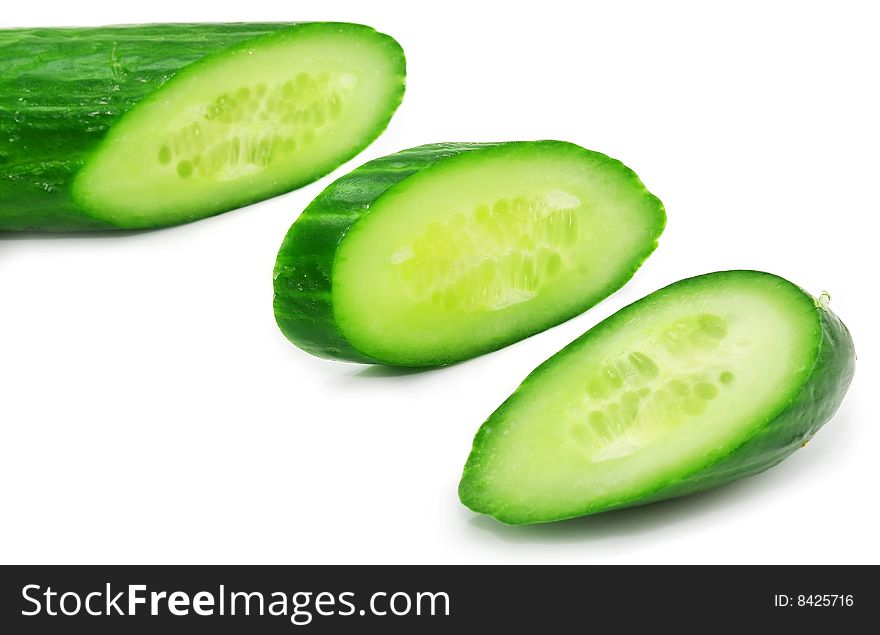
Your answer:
<point x="151" y="411"/>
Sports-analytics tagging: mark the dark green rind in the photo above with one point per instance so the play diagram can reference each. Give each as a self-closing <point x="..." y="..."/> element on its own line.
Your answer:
<point x="304" y="268"/>
<point x="303" y="276"/>
<point x="812" y="405"/>
<point x="794" y="425"/>
<point x="61" y="90"/>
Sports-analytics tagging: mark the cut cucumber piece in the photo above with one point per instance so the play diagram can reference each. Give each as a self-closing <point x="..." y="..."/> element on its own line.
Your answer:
<point x="446" y="251"/>
<point x="708" y="380"/>
<point x="146" y="126"/>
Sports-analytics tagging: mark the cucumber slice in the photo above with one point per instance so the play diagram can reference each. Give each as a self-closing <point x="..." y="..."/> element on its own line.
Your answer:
<point x="708" y="380"/>
<point x="446" y="251"/>
<point x="146" y="126"/>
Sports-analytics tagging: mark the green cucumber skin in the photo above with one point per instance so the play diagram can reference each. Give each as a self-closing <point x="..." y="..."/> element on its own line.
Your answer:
<point x="62" y="89"/>
<point x="784" y="432"/>
<point x="303" y="275"/>
<point x="794" y="425"/>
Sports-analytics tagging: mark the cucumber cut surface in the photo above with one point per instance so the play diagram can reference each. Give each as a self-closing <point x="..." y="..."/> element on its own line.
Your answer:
<point x="708" y="380"/>
<point x="155" y="125"/>
<point x="446" y="251"/>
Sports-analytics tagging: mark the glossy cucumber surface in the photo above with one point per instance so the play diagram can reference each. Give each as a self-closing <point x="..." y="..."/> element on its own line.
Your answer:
<point x="440" y="253"/>
<point x="708" y="380"/>
<point x="154" y="125"/>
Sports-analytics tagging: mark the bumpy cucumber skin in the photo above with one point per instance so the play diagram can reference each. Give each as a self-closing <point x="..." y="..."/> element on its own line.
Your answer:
<point x="810" y="406"/>
<point x="794" y="425"/>
<point x="303" y="276"/>
<point x="61" y="90"/>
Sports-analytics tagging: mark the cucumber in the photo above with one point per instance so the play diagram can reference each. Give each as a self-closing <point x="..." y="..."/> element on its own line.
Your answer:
<point x="708" y="380"/>
<point x="154" y="125"/>
<point x="446" y="251"/>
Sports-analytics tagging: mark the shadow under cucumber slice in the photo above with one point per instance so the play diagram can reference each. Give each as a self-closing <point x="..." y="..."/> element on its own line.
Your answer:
<point x="706" y="381"/>
<point x="443" y="252"/>
<point x="155" y="125"/>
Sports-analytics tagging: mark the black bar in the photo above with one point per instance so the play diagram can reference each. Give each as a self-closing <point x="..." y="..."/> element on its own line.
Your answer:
<point x="515" y="598"/>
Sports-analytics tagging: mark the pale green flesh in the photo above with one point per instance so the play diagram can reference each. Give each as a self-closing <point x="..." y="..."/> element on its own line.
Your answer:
<point x="684" y="381"/>
<point x="240" y="126"/>
<point x="463" y="255"/>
